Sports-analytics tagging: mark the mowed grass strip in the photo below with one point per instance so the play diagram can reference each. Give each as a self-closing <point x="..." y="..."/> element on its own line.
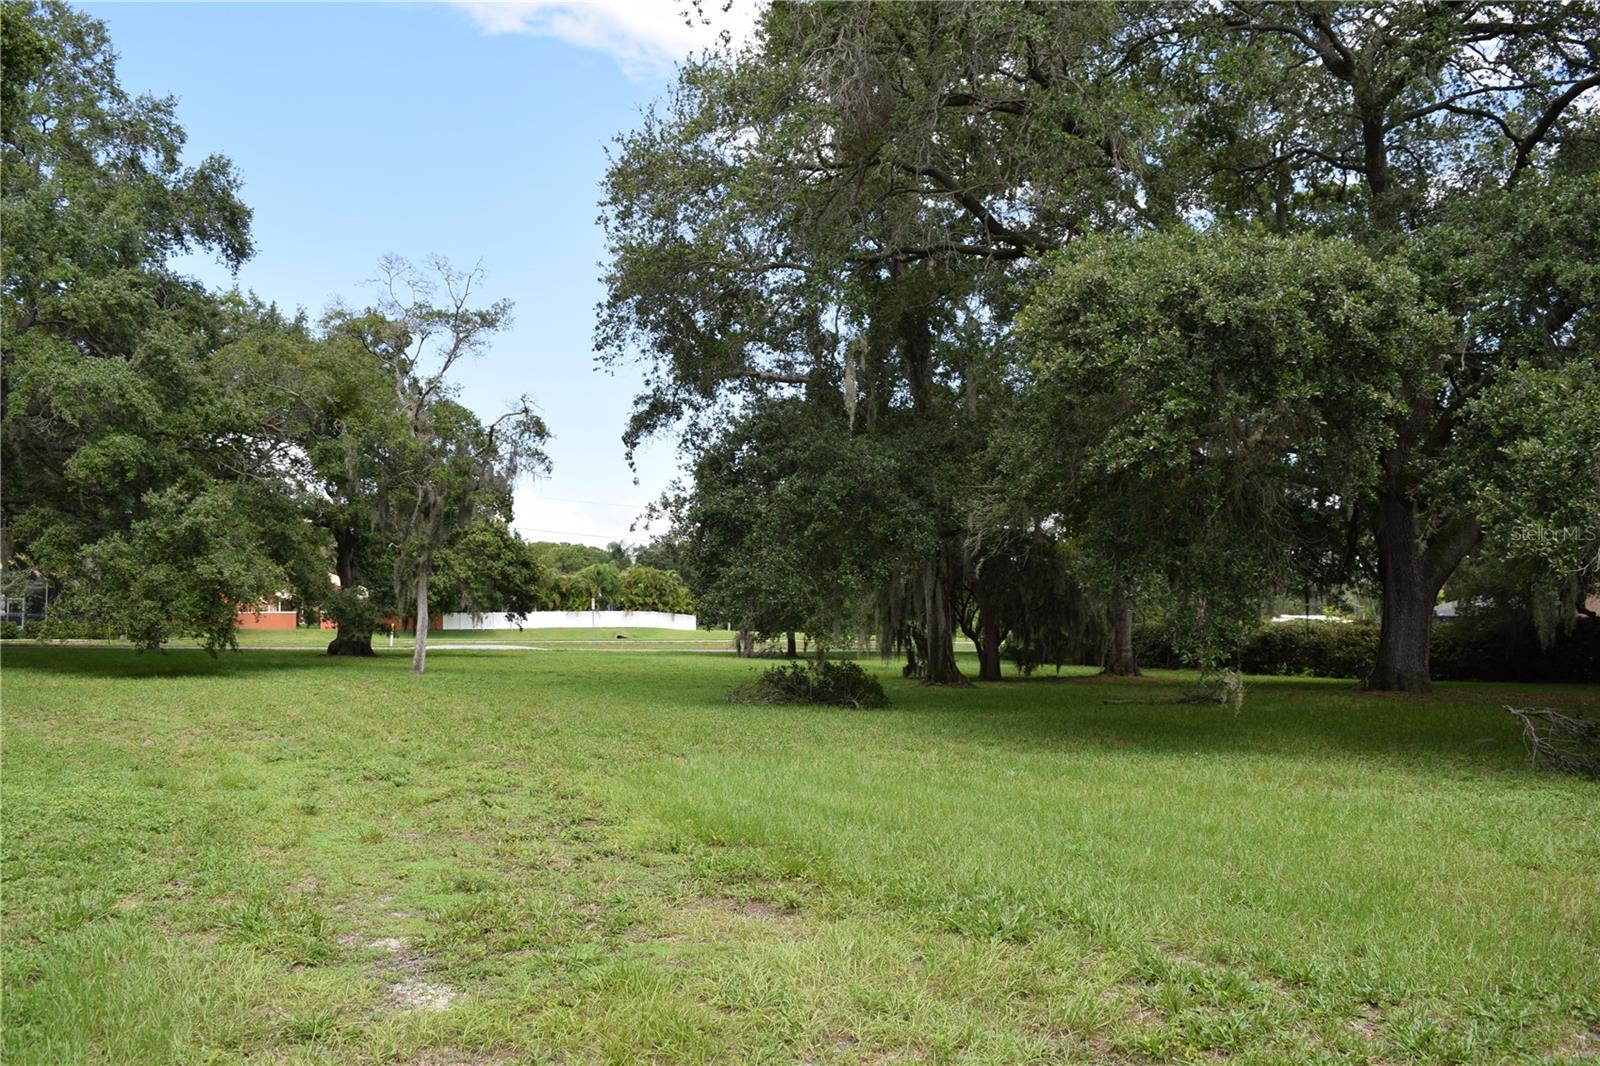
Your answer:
<point x="276" y="856"/>
<point x="609" y="638"/>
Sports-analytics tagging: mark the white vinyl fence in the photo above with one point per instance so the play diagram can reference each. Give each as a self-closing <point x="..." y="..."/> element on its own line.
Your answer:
<point x="571" y="620"/>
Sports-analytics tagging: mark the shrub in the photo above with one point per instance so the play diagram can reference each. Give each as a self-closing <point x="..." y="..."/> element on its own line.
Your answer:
<point x="841" y="684"/>
<point x="1153" y="644"/>
<point x="1462" y="649"/>
<point x="1465" y="649"/>
<point x="10" y="631"/>
<point x="1574" y="656"/>
<point x="1500" y="649"/>
<point x="1321" y="649"/>
<point x="1026" y="657"/>
<point x="60" y="626"/>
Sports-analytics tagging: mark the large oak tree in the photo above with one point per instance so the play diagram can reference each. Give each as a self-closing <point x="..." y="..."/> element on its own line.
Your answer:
<point x="128" y="481"/>
<point x="1409" y="127"/>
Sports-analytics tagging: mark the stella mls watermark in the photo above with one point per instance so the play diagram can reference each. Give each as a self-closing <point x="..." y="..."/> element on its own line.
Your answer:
<point x="1571" y="549"/>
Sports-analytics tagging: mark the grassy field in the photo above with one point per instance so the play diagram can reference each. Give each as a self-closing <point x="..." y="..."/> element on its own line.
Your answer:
<point x="602" y="636"/>
<point x="561" y="856"/>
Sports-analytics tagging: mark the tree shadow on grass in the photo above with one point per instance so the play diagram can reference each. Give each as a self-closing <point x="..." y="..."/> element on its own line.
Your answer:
<point x="1459" y="726"/>
<point x="121" y="661"/>
<point x="187" y="660"/>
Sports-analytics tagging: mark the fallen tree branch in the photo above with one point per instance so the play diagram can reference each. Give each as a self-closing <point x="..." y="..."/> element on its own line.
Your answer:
<point x="1560" y="742"/>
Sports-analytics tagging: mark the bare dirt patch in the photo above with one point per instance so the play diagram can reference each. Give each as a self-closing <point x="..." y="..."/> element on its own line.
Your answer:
<point x="1583" y="1045"/>
<point x="402" y="971"/>
<point x="413" y="993"/>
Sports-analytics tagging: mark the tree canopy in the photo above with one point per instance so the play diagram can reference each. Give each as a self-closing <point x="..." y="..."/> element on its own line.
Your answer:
<point x="125" y="476"/>
<point x="174" y="455"/>
<point x="1264" y="343"/>
<point x="1017" y="321"/>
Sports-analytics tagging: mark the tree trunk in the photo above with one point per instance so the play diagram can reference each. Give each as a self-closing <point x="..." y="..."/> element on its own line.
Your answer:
<point x="793" y="654"/>
<point x="989" y="652"/>
<point x="939" y="623"/>
<point x="939" y="657"/>
<point x="986" y="640"/>
<point x="351" y="640"/>
<point x="1408" y="598"/>
<point x="419" y="657"/>
<point x="355" y="621"/>
<point x="743" y="643"/>
<point x="1122" y="662"/>
<point x="1402" y="664"/>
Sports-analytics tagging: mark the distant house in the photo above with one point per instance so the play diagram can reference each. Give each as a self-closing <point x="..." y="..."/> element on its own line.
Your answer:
<point x="279" y="612"/>
<point x="24" y="597"/>
<point x="274" y="612"/>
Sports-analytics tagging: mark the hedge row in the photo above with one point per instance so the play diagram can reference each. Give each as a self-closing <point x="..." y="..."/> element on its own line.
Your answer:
<point x="1462" y="650"/>
<point x="58" y="627"/>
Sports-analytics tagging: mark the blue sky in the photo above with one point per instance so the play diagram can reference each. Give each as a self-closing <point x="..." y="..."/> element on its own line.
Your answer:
<point x="475" y="131"/>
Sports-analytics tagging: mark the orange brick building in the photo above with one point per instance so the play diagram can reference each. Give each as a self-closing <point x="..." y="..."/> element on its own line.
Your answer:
<point x="274" y="612"/>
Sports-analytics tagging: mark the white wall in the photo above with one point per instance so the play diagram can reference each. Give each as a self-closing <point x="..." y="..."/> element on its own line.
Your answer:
<point x="572" y="620"/>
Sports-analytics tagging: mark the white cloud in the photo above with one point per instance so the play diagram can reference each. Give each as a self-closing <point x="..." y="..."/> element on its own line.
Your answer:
<point x="646" y="37"/>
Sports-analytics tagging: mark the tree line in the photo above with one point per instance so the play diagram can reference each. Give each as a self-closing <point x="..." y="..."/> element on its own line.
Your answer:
<point x="581" y="577"/>
<point x="174" y="454"/>
<point x="1018" y="321"/>
<point x="1026" y="320"/>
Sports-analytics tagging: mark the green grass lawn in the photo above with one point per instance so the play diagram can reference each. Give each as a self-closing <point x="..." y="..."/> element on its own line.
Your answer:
<point x="276" y="856"/>
<point x="603" y="636"/>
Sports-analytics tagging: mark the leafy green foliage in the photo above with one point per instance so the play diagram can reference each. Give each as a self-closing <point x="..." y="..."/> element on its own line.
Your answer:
<point x="1416" y="131"/>
<point x="189" y="558"/>
<point x="488" y="567"/>
<point x="598" y="584"/>
<point x="775" y="530"/>
<point x="644" y="588"/>
<point x="665" y="552"/>
<point x="832" y="682"/>
<point x="851" y="207"/>
<point x="1193" y="394"/>
<point x="439" y="470"/>
<point x="567" y="558"/>
<point x="847" y="211"/>
<point x="1319" y="649"/>
<point x="1498" y="646"/>
<point x="327" y="412"/>
<point x="128" y="474"/>
<point x="1029" y="586"/>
